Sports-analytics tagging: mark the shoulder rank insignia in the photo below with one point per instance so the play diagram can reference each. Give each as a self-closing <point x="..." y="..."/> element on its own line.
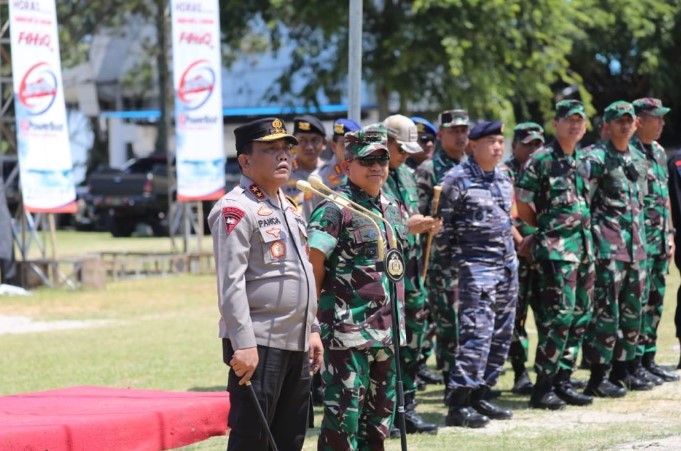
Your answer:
<point x="257" y="192"/>
<point x="337" y="168"/>
<point x="293" y="202"/>
<point x="231" y="217"/>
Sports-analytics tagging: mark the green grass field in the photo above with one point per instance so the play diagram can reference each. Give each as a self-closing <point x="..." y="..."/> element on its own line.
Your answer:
<point x="161" y="333"/>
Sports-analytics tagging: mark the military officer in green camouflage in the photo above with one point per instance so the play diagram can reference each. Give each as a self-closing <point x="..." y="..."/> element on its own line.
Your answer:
<point x="402" y="142"/>
<point x="555" y="182"/>
<point x="527" y="137"/>
<point x="449" y="151"/>
<point x="355" y="312"/>
<point x="618" y="173"/>
<point x="659" y="236"/>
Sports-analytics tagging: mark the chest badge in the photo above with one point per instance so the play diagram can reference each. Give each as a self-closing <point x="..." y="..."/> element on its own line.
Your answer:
<point x="278" y="249"/>
<point x="394" y="265"/>
<point x="264" y="211"/>
<point x="274" y="231"/>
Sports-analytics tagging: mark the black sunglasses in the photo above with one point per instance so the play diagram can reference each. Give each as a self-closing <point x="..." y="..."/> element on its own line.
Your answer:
<point x="423" y="139"/>
<point x="367" y="162"/>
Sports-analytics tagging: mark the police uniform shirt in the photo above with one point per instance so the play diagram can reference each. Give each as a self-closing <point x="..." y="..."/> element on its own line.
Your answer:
<point x="266" y="287"/>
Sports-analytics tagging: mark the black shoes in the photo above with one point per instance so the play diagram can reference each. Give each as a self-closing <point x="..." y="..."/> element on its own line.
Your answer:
<point x="543" y="396"/>
<point x="522" y="384"/>
<point x="414" y="423"/>
<point x="428" y="376"/>
<point x="604" y="389"/>
<point x="480" y="403"/>
<point x="460" y="413"/>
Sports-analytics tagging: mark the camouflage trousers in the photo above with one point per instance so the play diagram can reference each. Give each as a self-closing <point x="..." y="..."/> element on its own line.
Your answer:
<point x="562" y="312"/>
<point x="441" y="296"/>
<point x="616" y="323"/>
<point x="410" y="351"/>
<point x="359" y="398"/>
<point x="486" y="297"/>
<point x="657" y="267"/>
<point x="520" y="343"/>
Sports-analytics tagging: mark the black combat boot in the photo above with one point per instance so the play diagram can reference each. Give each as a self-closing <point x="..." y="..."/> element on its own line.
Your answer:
<point x="448" y="391"/>
<point x="638" y="371"/>
<point x="648" y="362"/>
<point x="428" y="376"/>
<point x="565" y="391"/>
<point x="599" y="386"/>
<point x="460" y="413"/>
<point x="412" y="420"/>
<point x="620" y="375"/>
<point x="522" y="385"/>
<point x="543" y="396"/>
<point x="479" y="402"/>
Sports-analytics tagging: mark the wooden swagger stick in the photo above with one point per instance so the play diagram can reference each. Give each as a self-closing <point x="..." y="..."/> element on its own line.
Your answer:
<point x="437" y="190"/>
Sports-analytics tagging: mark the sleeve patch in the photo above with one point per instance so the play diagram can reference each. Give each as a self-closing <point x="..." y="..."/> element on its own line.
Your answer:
<point x="231" y="216"/>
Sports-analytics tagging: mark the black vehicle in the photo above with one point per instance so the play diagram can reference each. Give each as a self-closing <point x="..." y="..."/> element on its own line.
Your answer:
<point x="138" y="193"/>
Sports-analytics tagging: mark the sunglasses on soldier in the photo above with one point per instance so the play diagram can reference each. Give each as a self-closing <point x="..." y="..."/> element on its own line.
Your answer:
<point x="368" y="162"/>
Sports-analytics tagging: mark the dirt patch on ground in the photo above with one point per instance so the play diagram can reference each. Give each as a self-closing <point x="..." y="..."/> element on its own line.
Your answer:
<point x="24" y="324"/>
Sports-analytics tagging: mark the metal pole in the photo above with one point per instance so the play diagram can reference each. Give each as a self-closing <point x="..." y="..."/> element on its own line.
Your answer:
<point x="355" y="61"/>
<point x="398" y="367"/>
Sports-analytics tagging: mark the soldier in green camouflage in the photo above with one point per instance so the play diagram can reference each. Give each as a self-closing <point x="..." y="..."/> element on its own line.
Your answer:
<point x="553" y="196"/>
<point x="449" y="151"/>
<point x="659" y="237"/>
<point x="527" y="137"/>
<point x="355" y="311"/>
<point x="618" y="174"/>
<point x="402" y="142"/>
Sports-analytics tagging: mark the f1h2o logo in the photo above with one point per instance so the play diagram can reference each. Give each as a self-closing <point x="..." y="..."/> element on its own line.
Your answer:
<point x="38" y="89"/>
<point x="196" y="84"/>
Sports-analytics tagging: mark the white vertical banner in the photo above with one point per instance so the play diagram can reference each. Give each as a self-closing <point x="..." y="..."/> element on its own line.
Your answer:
<point x="43" y="148"/>
<point x="197" y="77"/>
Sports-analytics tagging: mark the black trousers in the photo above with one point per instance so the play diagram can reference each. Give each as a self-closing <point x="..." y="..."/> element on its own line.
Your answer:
<point x="282" y="385"/>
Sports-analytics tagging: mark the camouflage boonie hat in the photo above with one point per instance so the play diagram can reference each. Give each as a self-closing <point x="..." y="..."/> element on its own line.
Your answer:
<point x="364" y="142"/>
<point x="526" y="132"/>
<point x="618" y="109"/>
<point x="651" y="106"/>
<point x="452" y="118"/>
<point x="567" y="108"/>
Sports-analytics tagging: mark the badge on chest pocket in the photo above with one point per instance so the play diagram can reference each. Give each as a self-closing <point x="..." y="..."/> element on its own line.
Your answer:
<point x="273" y="244"/>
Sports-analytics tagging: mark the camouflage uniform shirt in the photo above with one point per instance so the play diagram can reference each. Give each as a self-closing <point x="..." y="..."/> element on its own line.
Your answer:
<point x="354" y="307"/>
<point x="655" y="212"/>
<point x="618" y="180"/>
<point x="557" y="184"/>
<point x="401" y="186"/>
<point x="477" y="206"/>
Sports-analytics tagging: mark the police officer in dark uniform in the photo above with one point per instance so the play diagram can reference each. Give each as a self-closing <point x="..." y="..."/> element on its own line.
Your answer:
<point x="266" y="293"/>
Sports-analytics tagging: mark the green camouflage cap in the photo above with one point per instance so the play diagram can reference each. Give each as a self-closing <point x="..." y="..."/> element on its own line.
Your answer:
<point x="526" y="132"/>
<point x="452" y="118"/>
<point x="618" y="109"/>
<point x="651" y="106"/>
<point x="361" y="143"/>
<point x="567" y="108"/>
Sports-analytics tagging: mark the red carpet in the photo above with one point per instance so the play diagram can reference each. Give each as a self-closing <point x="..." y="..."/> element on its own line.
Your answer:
<point x="103" y="418"/>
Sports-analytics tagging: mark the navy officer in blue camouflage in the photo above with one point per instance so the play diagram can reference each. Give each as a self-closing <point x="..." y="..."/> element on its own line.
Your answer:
<point x="477" y="200"/>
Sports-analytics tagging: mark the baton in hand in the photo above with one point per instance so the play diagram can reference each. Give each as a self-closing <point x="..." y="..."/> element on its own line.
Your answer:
<point x="261" y="415"/>
<point x="437" y="190"/>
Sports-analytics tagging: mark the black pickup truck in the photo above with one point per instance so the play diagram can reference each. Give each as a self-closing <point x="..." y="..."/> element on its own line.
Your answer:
<point x="138" y="193"/>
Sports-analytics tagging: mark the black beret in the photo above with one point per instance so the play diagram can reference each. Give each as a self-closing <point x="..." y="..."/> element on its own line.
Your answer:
<point x="262" y="130"/>
<point x="486" y="128"/>
<point x="308" y="124"/>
